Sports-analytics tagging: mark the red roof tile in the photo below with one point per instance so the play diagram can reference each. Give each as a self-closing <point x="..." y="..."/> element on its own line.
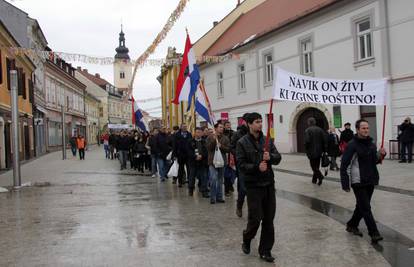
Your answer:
<point x="97" y="80"/>
<point x="266" y="17"/>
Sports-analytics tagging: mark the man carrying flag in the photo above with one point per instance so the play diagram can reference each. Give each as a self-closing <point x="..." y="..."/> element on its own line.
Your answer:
<point x="189" y="76"/>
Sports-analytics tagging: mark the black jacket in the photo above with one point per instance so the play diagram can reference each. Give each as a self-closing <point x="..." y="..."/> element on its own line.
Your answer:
<point x="346" y="135"/>
<point x="249" y="154"/>
<point x="333" y="145"/>
<point x="182" y="146"/>
<point x="242" y="130"/>
<point x="359" y="163"/>
<point x="407" y="133"/>
<point x="162" y="145"/>
<point x="316" y="142"/>
<point x="201" y="146"/>
<point x="139" y="147"/>
<point x="124" y="143"/>
<point x="112" y="140"/>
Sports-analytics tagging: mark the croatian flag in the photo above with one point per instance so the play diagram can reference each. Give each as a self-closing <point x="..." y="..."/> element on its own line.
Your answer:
<point x="189" y="76"/>
<point x="137" y="117"/>
<point x="202" y="105"/>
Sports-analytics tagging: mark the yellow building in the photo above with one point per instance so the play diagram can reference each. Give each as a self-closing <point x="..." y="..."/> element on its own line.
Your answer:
<point x="92" y="105"/>
<point x="172" y="115"/>
<point x="25" y="68"/>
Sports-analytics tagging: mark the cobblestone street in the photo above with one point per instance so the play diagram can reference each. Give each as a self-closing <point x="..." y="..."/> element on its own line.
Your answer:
<point x="92" y="214"/>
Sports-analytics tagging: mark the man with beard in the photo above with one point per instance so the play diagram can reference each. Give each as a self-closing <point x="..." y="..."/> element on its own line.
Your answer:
<point x="255" y="161"/>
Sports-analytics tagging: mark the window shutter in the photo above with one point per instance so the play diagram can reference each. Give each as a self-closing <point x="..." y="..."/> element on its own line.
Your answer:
<point x="19" y="81"/>
<point x="24" y="84"/>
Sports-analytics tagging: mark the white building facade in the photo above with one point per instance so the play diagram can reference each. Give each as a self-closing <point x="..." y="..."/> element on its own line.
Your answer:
<point x="366" y="39"/>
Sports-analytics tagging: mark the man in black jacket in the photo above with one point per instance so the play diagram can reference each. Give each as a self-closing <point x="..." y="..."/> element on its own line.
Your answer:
<point x="200" y="169"/>
<point x="124" y="144"/>
<point x="161" y="152"/>
<point x="359" y="168"/>
<point x="255" y="161"/>
<point x="406" y="138"/>
<point x="242" y="130"/>
<point x="183" y="151"/>
<point x="316" y="143"/>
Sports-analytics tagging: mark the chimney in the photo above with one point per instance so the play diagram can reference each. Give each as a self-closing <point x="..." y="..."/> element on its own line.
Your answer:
<point x="215" y="23"/>
<point x="97" y="75"/>
<point x="79" y="68"/>
<point x="238" y="3"/>
<point x="85" y="70"/>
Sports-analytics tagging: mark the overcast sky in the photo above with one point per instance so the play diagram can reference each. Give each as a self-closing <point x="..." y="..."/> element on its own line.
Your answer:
<point x="92" y="27"/>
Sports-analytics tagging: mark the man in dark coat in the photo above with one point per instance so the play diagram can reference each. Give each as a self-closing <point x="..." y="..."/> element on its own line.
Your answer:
<point x="124" y="144"/>
<point x="242" y="130"/>
<point x="359" y="171"/>
<point x="346" y="135"/>
<point x="183" y="152"/>
<point x="316" y="143"/>
<point x="406" y="138"/>
<point x="162" y="150"/>
<point x="229" y="172"/>
<point x="333" y="148"/>
<point x="200" y="170"/>
<point x="255" y="161"/>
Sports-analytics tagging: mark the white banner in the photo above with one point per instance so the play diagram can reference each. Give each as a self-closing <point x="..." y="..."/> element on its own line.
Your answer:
<point x="120" y="126"/>
<point x="294" y="87"/>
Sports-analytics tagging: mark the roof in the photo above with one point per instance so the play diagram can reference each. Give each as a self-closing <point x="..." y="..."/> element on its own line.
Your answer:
<point x="263" y="19"/>
<point x="93" y="78"/>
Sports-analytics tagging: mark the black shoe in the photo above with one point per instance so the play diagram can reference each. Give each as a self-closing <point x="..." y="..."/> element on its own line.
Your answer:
<point x="205" y="195"/>
<point x="314" y="180"/>
<point x="174" y="181"/>
<point x="320" y="181"/>
<point x="354" y="230"/>
<point x="267" y="257"/>
<point x="180" y="185"/>
<point x="220" y="201"/>
<point x="409" y="161"/>
<point x="231" y="189"/>
<point x="402" y="161"/>
<point x="246" y="247"/>
<point x="212" y="202"/>
<point x="190" y="192"/>
<point x="239" y="212"/>
<point x="376" y="237"/>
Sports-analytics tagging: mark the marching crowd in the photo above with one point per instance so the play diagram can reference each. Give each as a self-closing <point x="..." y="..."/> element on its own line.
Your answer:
<point x="220" y="156"/>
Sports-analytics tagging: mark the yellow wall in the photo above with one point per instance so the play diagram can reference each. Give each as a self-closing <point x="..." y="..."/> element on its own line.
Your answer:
<point x="21" y="62"/>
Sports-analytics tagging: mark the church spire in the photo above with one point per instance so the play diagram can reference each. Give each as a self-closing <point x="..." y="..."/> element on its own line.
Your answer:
<point x="122" y="50"/>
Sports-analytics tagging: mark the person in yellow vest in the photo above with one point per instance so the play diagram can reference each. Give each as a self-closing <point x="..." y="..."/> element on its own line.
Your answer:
<point x="81" y="144"/>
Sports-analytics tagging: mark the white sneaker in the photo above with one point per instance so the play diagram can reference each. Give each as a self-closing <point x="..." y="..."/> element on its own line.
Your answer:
<point x="153" y="176"/>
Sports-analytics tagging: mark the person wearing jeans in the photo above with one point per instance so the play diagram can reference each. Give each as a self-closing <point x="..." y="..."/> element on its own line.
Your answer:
<point x="359" y="172"/>
<point x="123" y="146"/>
<point x="200" y="168"/>
<point x="220" y="141"/>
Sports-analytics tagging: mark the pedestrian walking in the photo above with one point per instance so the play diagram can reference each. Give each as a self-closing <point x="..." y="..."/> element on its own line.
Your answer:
<point x="406" y="139"/>
<point x="242" y="130"/>
<point x="361" y="158"/>
<point x="315" y="145"/>
<point x="333" y="149"/>
<point x="105" y="138"/>
<point x="139" y="151"/>
<point x="124" y="144"/>
<point x="216" y="143"/>
<point x="200" y="170"/>
<point x="346" y="135"/>
<point x="229" y="170"/>
<point x="182" y="152"/>
<point x="112" y="144"/>
<point x="255" y="162"/>
<point x="81" y="145"/>
<point x="150" y="145"/>
<point x="73" y="145"/>
<point x="161" y="152"/>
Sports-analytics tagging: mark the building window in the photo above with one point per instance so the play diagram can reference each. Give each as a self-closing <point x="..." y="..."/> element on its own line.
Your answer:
<point x="242" y="78"/>
<point x="364" y="39"/>
<point x="268" y="59"/>
<point x="306" y="56"/>
<point x="122" y="75"/>
<point x="220" y="85"/>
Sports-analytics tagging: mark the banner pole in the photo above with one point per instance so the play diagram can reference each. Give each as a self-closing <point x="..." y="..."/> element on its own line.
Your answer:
<point x="383" y="130"/>
<point x="266" y="148"/>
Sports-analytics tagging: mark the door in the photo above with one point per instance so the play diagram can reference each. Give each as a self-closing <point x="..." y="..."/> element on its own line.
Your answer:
<point x="302" y="125"/>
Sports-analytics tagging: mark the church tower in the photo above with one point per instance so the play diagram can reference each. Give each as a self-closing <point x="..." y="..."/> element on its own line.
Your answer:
<point x="122" y="65"/>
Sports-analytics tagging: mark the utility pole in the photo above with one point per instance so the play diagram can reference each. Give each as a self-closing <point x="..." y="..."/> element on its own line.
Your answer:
<point x="63" y="133"/>
<point x="17" y="182"/>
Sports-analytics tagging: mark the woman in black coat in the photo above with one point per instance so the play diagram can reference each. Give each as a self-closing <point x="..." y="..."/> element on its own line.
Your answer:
<point x="333" y="149"/>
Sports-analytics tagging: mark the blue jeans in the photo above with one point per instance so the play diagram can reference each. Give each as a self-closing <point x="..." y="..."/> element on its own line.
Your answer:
<point x="106" y="148"/>
<point x="123" y="157"/>
<point x="73" y="148"/>
<point x="216" y="183"/>
<point x="153" y="164"/>
<point x="161" y="167"/>
<point x="201" y="173"/>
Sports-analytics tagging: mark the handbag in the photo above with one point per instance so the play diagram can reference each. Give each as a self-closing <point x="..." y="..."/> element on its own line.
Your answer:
<point x="169" y="156"/>
<point x="325" y="160"/>
<point x="173" y="172"/>
<point x="218" y="160"/>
